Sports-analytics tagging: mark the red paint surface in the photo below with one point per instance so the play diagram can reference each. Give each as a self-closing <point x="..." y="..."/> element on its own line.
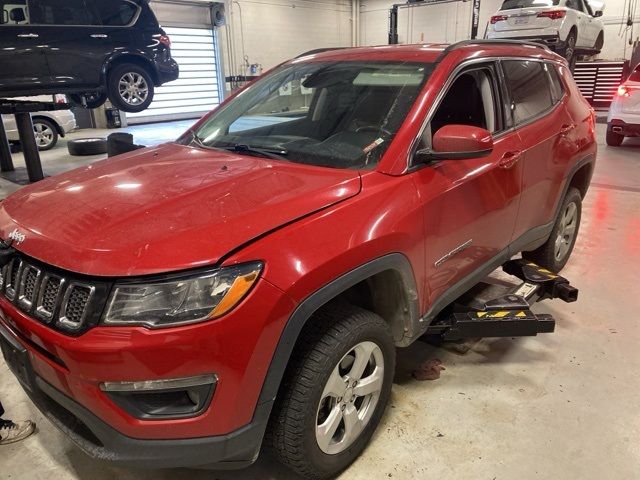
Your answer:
<point x="174" y="207"/>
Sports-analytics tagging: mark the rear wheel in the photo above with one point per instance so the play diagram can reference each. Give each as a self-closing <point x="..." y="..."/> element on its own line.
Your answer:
<point x="599" y="42"/>
<point x="555" y="253"/>
<point x="45" y="133"/>
<point x="130" y="88"/>
<point x="614" y="139"/>
<point x="569" y="51"/>
<point x="335" y="391"/>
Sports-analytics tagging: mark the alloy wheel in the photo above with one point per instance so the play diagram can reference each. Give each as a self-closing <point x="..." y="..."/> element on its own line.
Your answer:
<point x="349" y="398"/>
<point x="44" y="135"/>
<point x="567" y="231"/>
<point x="133" y="88"/>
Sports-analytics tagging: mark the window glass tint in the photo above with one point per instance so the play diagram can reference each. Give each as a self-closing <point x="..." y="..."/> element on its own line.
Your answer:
<point x="557" y="87"/>
<point x="14" y="12"/>
<point x="333" y="114"/>
<point x="511" y="4"/>
<point x="116" y="13"/>
<point x="530" y="88"/>
<point x="574" y="4"/>
<point x="55" y="12"/>
<point x="469" y="101"/>
<point x="635" y="76"/>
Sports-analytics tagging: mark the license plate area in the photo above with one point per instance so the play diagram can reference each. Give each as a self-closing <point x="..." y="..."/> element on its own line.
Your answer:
<point x="521" y="20"/>
<point x="17" y="358"/>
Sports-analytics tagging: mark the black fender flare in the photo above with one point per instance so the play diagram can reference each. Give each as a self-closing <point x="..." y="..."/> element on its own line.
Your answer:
<point x="304" y="311"/>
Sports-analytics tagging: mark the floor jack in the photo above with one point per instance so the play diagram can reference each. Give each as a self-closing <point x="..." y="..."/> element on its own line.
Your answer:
<point x="503" y="309"/>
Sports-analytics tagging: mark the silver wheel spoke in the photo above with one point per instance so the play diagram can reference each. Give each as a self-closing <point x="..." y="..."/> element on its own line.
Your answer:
<point x="370" y="384"/>
<point x="326" y="431"/>
<point x="363" y="355"/>
<point x="335" y="385"/>
<point x="352" y="424"/>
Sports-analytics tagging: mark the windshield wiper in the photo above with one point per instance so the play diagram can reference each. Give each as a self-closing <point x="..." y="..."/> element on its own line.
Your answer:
<point x="269" y="152"/>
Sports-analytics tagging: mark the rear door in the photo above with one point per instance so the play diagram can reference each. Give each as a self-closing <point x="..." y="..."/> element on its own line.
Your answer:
<point x="583" y="20"/>
<point x="470" y="206"/>
<point x="81" y="35"/>
<point x="22" y="59"/>
<point x="538" y="103"/>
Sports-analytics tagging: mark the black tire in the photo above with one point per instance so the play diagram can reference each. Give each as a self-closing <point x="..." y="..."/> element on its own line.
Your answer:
<point x="87" y="146"/>
<point x="334" y="333"/>
<point x="569" y="49"/>
<point x="46" y="133"/>
<point x="548" y="254"/>
<point x="614" y="139"/>
<point x="88" y="100"/>
<point x="599" y="43"/>
<point x="130" y="101"/>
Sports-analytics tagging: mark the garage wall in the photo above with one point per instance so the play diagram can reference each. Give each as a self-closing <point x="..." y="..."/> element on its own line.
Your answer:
<point x="276" y="30"/>
<point x="452" y="22"/>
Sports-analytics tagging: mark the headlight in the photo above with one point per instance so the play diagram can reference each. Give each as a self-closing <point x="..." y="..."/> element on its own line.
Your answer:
<point x="181" y="301"/>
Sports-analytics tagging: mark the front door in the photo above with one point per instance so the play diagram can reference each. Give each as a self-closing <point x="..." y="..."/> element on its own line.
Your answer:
<point x="22" y="60"/>
<point x="470" y="206"/>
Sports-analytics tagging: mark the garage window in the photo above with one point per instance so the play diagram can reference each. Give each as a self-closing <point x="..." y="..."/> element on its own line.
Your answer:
<point x="530" y="88"/>
<point x="196" y="91"/>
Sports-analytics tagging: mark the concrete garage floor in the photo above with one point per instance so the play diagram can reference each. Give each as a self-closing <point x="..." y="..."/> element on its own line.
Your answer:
<point x="560" y="406"/>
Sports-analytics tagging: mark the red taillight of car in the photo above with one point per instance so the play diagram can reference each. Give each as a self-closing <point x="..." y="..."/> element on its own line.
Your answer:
<point x="623" y="91"/>
<point x="165" y="40"/>
<point x="60" y="99"/>
<point x="553" y="14"/>
<point x="498" y="18"/>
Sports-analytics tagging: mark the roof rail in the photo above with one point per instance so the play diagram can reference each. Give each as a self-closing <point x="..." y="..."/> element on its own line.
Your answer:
<point x="495" y="41"/>
<point x="320" y="50"/>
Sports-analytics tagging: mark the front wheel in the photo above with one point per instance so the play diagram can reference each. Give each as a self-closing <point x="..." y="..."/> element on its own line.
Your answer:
<point x="130" y="88"/>
<point x="45" y="133"/>
<point x="555" y="253"/>
<point x="335" y="391"/>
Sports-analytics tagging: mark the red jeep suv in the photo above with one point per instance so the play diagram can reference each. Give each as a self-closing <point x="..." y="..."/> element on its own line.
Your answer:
<point x="171" y="306"/>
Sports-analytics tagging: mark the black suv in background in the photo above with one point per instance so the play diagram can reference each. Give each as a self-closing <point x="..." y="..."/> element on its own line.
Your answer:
<point x="87" y="49"/>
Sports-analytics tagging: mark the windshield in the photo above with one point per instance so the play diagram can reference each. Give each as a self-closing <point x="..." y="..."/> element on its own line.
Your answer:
<point x="333" y="114"/>
<point x="511" y="4"/>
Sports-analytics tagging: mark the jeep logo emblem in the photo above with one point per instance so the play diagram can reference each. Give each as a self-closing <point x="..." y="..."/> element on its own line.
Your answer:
<point x="17" y="236"/>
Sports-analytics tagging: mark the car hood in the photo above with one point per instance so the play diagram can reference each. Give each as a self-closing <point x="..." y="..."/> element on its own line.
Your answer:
<point x="164" y="209"/>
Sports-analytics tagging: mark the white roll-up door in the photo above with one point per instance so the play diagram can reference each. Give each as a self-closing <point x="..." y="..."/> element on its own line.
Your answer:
<point x="196" y="91"/>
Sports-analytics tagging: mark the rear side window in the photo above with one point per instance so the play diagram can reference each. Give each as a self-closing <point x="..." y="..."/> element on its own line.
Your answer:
<point x="557" y="87"/>
<point x="511" y="4"/>
<point x="635" y="76"/>
<point x="530" y="88"/>
<point x="116" y="13"/>
<point x="14" y="12"/>
<point x="55" y="12"/>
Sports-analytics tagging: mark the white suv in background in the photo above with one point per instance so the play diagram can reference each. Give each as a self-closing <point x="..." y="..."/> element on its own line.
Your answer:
<point x="624" y="114"/>
<point x="47" y="126"/>
<point x="566" y="26"/>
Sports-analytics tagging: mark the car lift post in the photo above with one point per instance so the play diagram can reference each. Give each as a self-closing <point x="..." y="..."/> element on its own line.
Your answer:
<point x="29" y="147"/>
<point x="6" y="162"/>
<point x="393" y="16"/>
<point x="22" y="110"/>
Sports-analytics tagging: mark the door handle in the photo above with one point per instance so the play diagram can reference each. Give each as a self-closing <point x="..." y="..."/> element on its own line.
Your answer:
<point x="509" y="159"/>
<point x="566" y="128"/>
<point x="28" y="35"/>
<point x="99" y="35"/>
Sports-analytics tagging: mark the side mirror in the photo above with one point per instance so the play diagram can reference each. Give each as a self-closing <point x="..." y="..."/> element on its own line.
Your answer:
<point x="597" y="14"/>
<point x="457" y="142"/>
